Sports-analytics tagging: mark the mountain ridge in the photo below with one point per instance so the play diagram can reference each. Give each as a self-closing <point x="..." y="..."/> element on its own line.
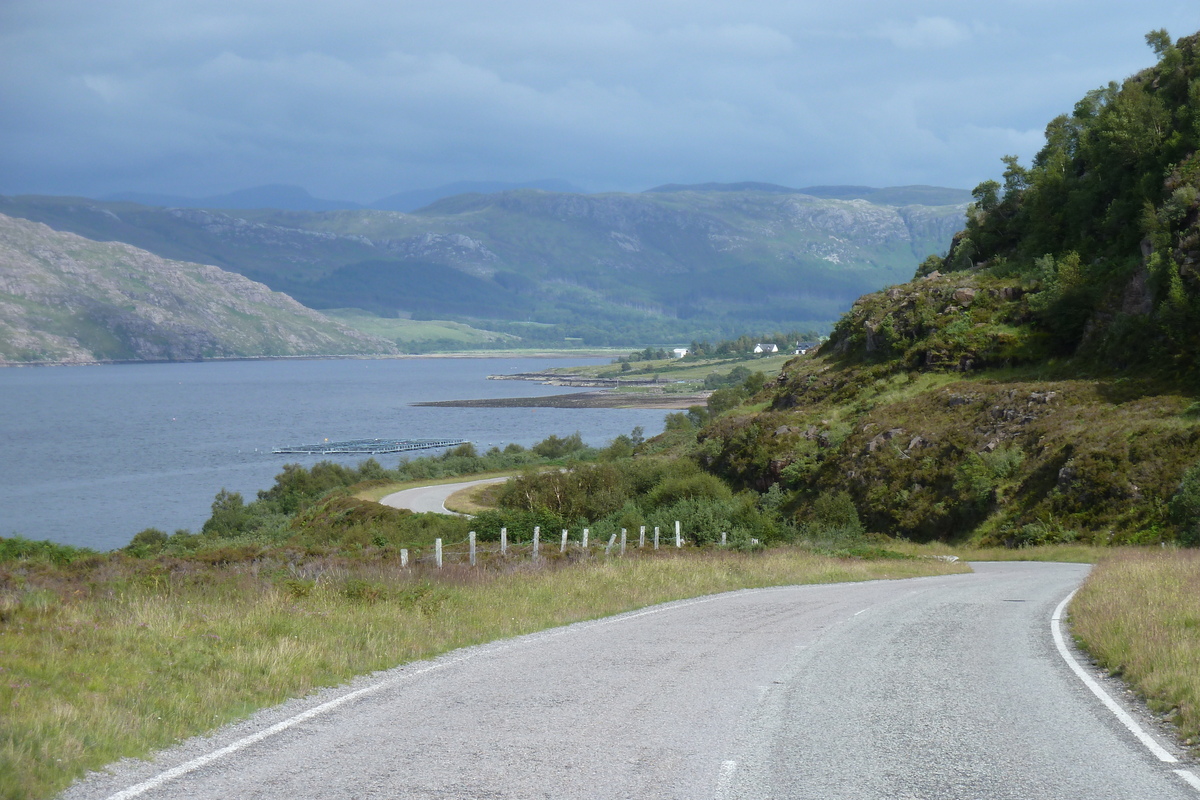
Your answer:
<point x="609" y="268"/>
<point x="68" y="299"/>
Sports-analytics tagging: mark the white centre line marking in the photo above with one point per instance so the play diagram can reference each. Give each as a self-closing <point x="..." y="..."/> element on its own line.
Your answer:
<point x="725" y="780"/>
<point x="1120" y="713"/>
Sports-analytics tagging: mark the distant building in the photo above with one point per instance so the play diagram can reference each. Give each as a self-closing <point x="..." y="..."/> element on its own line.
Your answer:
<point x="679" y="352"/>
<point x="803" y="348"/>
<point x="766" y="348"/>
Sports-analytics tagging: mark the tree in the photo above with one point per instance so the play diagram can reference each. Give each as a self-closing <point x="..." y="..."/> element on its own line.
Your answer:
<point x="229" y="515"/>
<point x="1159" y="41"/>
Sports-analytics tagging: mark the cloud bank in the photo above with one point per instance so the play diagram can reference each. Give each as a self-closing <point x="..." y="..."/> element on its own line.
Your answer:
<point x="366" y="98"/>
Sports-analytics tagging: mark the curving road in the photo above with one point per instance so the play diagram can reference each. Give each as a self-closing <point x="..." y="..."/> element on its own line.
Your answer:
<point x="946" y="687"/>
<point x="431" y="498"/>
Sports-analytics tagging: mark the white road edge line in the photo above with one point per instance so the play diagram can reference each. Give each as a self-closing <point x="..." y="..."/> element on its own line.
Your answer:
<point x="1190" y="777"/>
<point x="1120" y="713"/>
<point x="202" y="761"/>
<point x="241" y="744"/>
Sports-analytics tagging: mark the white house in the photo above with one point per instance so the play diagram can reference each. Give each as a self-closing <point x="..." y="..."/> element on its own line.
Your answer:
<point x="766" y="348"/>
<point x="679" y="352"/>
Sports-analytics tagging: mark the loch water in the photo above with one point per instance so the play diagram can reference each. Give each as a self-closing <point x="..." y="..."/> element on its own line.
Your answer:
<point x="91" y="455"/>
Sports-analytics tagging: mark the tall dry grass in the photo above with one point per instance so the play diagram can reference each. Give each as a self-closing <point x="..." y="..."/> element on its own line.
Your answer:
<point x="127" y="664"/>
<point x="1138" y="614"/>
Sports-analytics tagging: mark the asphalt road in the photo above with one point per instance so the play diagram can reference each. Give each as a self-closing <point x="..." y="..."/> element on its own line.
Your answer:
<point x="431" y="498"/>
<point x="947" y="687"/>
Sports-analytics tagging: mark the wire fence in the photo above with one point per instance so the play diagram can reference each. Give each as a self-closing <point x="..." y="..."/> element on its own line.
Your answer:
<point x="545" y="545"/>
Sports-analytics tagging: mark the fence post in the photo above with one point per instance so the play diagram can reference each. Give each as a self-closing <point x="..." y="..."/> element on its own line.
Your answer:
<point x="403" y="556"/>
<point x="563" y="547"/>
<point x="641" y="537"/>
<point x="472" y="548"/>
<point x="585" y="538"/>
<point x="655" y="537"/>
<point x="437" y="552"/>
<point x="608" y="548"/>
<point x="504" y="541"/>
<point x="622" y="541"/>
<point x="678" y="540"/>
<point x="723" y="539"/>
<point x="537" y="535"/>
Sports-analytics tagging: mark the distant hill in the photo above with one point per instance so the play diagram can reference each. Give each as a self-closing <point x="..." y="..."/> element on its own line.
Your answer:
<point x="419" y="198"/>
<point x="889" y="196"/>
<point x="64" y="298"/>
<point x="291" y="198"/>
<point x="605" y="268"/>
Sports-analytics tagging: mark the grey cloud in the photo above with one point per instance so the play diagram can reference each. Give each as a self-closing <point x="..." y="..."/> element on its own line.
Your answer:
<point x="367" y="98"/>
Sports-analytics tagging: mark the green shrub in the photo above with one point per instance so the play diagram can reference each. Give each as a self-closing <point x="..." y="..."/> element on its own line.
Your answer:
<point x="699" y="485"/>
<point x="1185" y="508"/>
<point x="702" y="520"/>
<point x="519" y="523"/>
<point x="554" y="447"/>
<point x="19" y="548"/>
<point x="299" y="587"/>
<point x="362" y="591"/>
<point x="833" y="516"/>
<point x="145" y="543"/>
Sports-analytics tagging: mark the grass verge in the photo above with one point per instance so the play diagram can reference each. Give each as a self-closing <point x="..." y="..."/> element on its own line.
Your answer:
<point x="474" y="499"/>
<point x="1138" y="615"/>
<point x="133" y="656"/>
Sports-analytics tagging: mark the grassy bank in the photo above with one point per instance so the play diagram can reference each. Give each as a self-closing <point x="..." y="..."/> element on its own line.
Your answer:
<point x="119" y="657"/>
<point x="1138" y="614"/>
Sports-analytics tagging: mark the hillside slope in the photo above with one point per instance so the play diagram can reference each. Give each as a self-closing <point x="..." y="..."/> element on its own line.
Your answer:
<point x="1105" y="223"/>
<point x="67" y="299"/>
<point x="1038" y="384"/>
<point x="654" y="266"/>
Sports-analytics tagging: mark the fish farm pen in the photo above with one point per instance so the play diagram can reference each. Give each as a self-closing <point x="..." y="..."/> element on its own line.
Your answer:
<point x="370" y="446"/>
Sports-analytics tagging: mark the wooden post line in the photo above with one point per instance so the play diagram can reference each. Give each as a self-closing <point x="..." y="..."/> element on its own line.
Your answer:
<point x="473" y="540"/>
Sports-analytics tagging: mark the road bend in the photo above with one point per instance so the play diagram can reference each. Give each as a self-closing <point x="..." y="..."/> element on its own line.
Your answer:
<point x="944" y="687"/>
<point x="431" y="498"/>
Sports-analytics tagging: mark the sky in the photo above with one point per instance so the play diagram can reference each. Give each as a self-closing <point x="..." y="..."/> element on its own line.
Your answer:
<point x="361" y="99"/>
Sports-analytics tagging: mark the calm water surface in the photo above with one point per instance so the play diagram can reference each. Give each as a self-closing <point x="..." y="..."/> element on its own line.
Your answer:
<point x="91" y="455"/>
